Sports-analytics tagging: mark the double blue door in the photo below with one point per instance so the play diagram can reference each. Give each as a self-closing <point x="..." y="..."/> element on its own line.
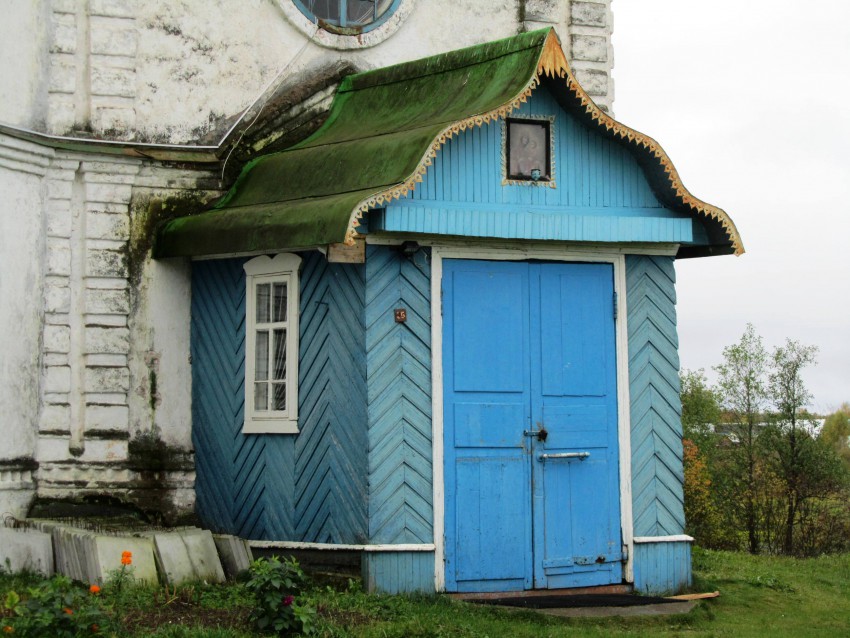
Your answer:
<point x="530" y="426"/>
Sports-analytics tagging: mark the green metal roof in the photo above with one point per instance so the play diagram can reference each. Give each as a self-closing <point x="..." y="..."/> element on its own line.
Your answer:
<point x="383" y="130"/>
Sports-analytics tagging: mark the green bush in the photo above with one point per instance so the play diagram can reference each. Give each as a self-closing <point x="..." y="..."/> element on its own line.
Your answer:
<point x="55" y="608"/>
<point x="276" y="583"/>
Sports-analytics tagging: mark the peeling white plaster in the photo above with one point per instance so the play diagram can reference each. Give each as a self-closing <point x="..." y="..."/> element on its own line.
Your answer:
<point x="94" y="353"/>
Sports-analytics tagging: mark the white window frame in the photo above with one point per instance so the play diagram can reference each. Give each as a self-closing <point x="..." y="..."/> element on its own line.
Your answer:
<point x="283" y="267"/>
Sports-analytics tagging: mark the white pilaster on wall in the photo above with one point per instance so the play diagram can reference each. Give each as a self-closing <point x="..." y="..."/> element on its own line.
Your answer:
<point x="105" y="333"/>
<point x="92" y="77"/>
<point x="76" y="315"/>
<point x="86" y="305"/>
<point x="590" y="52"/>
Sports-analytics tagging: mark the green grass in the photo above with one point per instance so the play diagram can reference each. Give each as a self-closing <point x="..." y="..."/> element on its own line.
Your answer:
<point x="760" y="596"/>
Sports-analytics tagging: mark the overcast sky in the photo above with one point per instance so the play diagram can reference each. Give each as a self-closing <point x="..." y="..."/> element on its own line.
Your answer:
<point x="751" y="100"/>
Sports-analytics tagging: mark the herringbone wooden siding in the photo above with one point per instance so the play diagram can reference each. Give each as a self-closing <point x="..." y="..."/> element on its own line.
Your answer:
<point x="656" y="412"/>
<point x="309" y="487"/>
<point x="398" y="364"/>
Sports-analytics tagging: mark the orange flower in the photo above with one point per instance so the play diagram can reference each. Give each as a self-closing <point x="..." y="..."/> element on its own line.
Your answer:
<point x="68" y="611"/>
<point x="8" y="630"/>
<point x="94" y="589"/>
<point x="126" y="558"/>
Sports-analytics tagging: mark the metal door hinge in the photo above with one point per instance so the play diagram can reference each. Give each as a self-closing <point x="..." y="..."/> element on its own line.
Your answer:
<point x="615" y="306"/>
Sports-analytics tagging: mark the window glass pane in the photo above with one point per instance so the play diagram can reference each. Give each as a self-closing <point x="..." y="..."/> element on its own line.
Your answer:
<point x="263" y="292"/>
<point x="357" y="12"/>
<point x="261" y="397"/>
<point x="279" y="301"/>
<point x="261" y="356"/>
<point x="528" y="149"/>
<point x="324" y="9"/>
<point x="279" y="398"/>
<point x="363" y="11"/>
<point x="279" y="354"/>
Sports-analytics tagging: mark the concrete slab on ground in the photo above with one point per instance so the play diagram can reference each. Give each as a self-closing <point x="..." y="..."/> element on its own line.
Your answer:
<point x="187" y="555"/>
<point x="234" y="552"/>
<point x="107" y="552"/>
<point x="29" y="550"/>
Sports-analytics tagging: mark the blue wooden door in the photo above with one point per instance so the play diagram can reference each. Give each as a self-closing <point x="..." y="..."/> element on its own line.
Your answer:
<point x="529" y="347"/>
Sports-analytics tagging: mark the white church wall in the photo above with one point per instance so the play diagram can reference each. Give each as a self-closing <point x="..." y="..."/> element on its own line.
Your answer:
<point x="24" y="49"/>
<point x="117" y="65"/>
<point x="96" y="377"/>
<point x="23" y="193"/>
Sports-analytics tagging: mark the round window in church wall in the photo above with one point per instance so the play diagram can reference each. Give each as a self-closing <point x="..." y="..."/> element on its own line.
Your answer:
<point x="348" y="16"/>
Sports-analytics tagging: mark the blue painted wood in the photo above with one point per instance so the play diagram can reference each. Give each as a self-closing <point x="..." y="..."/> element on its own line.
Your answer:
<point x="601" y="193"/>
<point x="398" y="366"/>
<point x="237" y="489"/>
<point x="398" y="572"/>
<point x="511" y="221"/>
<point x="330" y="450"/>
<point x="578" y="541"/>
<point x="487" y="405"/>
<point x="309" y="487"/>
<point x="656" y="425"/>
<point x="529" y="343"/>
<point x="662" y="568"/>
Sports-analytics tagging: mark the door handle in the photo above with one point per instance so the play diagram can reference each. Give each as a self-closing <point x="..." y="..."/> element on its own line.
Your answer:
<point x="567" y="456"/>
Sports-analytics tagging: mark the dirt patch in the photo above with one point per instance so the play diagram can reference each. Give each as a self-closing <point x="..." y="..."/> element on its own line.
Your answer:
<point x="142" y="621"/>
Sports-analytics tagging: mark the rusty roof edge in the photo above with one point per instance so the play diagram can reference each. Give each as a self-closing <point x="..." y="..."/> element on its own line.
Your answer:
<point x="141" y="150"/>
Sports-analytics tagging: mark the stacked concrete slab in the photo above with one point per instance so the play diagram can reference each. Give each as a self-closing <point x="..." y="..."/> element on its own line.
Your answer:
<point x="90" y="557"/>
<point x="108" y="551"/>
<point x="234" y="552"/>
<point x="187" y="554"/>
<point x="175" y="556"/>
<point x="26" y="550"/>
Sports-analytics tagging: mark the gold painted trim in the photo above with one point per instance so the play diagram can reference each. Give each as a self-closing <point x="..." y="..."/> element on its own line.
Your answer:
<point x="401" y="190"/>
<point x="552" y="63"/>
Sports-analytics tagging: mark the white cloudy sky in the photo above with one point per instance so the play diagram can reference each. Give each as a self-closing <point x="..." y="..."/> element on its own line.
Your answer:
<point x="751" y="100"/>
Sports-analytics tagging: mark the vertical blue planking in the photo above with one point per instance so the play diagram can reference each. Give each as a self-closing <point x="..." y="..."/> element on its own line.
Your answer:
<point x="584" y="162"/>
<point x="656" y="425"/>
<point x="487" y="403"/>
<point x="511" y="521"/>
<point x="398" y="364"/>
<point x="282" y="487"/>
<point x="398" y="572"/>
<point x="601" y="194"/>
<point x="662" y="568"/>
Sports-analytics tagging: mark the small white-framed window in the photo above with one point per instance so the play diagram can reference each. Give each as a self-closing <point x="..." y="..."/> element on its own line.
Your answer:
<point x="271" y="344"/>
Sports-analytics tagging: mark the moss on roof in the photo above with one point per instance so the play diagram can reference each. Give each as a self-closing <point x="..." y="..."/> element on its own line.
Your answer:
<point x="383" y="130"/>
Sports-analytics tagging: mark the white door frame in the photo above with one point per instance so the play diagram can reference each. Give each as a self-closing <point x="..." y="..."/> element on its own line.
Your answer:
<point x="515" y="252"/>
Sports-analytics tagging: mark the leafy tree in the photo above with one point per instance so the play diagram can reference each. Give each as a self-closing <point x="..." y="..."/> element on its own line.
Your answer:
<point x="743" y="394"/>
<point x="800" y="465"/>
<point x="699" y="502"/>
<point x="706" y="498"/>
<point x="700" y="407"/>
<point x="836" y="432"/>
